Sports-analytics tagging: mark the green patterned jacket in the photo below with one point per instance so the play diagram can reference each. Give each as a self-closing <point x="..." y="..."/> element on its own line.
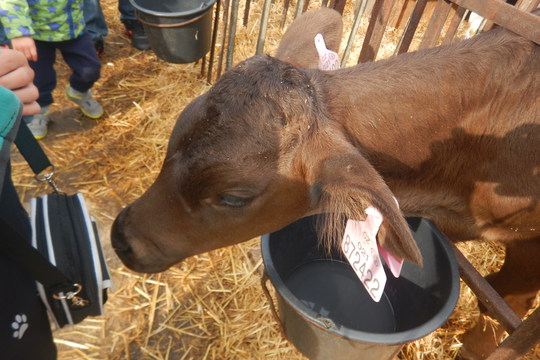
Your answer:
<point x="46" y="20"/>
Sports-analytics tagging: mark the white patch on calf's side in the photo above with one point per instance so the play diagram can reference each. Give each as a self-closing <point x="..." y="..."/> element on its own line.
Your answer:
<point x="475" y="23"/>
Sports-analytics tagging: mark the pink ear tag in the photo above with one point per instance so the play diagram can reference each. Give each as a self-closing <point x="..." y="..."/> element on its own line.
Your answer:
<point x="360" y="248"/>
<point x="328" y="59"/>
<point x="393" y="262"/>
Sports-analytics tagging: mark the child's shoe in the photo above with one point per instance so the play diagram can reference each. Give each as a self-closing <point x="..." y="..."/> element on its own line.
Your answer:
<point x="135" y="30"/>
<point x="38" y="123"/>
<point x="99" y="45"/>
<point x="89" y="106"/>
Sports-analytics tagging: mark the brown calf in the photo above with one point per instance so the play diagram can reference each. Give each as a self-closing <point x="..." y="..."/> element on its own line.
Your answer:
<point x="452" y="132"/>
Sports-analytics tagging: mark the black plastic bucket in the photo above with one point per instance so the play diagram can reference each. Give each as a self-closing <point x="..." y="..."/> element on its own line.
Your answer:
<point x="327" y="314"/>
<point x="179" y="31"/>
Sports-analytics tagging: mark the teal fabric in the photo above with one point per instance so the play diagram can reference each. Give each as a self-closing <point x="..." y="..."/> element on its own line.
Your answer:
<point x="45" y="20"/>
<point x="10" y="115"/>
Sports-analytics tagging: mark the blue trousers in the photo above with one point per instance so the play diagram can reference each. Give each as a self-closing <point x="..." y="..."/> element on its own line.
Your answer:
<point x="96" y="26"/>
<point x="127" y="11"/>
<point x="79" y="55"/>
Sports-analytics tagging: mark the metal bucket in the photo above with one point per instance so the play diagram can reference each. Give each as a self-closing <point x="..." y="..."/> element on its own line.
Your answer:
<point x="327" y="314"/>
<point x="179" y="31"/>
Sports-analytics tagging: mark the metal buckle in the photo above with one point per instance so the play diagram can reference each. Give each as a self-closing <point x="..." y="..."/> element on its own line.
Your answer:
<point x="48" y="177"/>
<point x="76" y="301"/>
<point x="69" y="295"/>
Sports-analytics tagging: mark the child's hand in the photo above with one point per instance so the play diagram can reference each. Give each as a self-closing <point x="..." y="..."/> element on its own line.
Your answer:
<point x="26" y="45"/>
<point x="17" y="76"/>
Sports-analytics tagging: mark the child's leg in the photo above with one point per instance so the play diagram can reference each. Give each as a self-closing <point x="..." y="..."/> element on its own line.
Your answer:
<point x="81" y="57"/>
<point x="45" y="75"/>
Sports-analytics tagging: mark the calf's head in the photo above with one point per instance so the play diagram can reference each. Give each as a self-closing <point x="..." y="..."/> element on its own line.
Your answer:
<point x="253" y="154"/>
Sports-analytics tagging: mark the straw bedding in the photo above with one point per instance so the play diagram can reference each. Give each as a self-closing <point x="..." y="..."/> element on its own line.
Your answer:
<point x="211" y="306"/>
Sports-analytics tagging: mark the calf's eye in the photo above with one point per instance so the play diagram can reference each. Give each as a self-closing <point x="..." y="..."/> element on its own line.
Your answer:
<point x="234" y="201"/>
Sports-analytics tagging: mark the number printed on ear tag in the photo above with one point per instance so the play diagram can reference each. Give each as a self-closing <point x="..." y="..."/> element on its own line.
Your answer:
<point x="360" y="247"/>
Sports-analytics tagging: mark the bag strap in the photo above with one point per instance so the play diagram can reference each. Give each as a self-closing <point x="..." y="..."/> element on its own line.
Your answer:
<point x="31" y="150"/>
<point x="18" y="248"/>
<point x="35" y="156"/>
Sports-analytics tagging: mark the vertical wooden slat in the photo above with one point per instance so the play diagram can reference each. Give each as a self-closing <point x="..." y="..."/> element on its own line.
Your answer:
<point x="412" y="25"/>
<point x="436" y="24"/>
<point x="375" y="32"/>
<point x="264" y="24"/>
<point x="232" y="34"/>
<point x="359" y="10"/>
<point x="457" y="19"/>
<point x="338" y="5"/>
<point x="306" y="4"/>
<point x="401" y="13"/>
<point x="214" y="39"/>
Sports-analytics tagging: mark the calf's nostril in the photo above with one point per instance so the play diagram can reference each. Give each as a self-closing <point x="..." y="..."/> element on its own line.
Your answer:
<point x="118" y="240"/>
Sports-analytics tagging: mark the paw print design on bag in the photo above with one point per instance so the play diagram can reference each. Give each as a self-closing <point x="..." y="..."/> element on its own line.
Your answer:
<point x="19" y="326"/>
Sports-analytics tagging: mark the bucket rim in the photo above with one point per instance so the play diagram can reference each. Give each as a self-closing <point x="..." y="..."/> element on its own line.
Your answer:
<point x="208" y="4"/>
<point x="402" y="337"/>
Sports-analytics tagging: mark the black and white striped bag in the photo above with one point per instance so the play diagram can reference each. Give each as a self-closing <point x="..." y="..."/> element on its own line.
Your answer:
<point x="67" y="236"/>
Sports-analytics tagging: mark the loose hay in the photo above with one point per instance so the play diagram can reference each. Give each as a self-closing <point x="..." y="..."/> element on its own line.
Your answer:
<point x="211" y="306"/>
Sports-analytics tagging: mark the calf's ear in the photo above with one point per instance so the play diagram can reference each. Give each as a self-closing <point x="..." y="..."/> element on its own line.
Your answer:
<point x="345" y="185"/>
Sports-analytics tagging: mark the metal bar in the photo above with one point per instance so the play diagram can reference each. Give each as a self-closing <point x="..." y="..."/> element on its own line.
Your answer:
<point x="433" y="31"/>
<point x="299" y="8"/>
<point x="232" y="34"/>
<point x="520" y="22"/>
<point x="246" y="12"/>
<point x="521" y="340"/>
<point x="358" y="13"/>
<point x="412" y="25"/>
<point x="284" y="13"/>
<point x="226" y="7"/>
<point x="264" y="24"/>
<point x="457" y="19"/>
<point x="214" y="38"/>
<point x="485" y="293"/>
<point x="375" y="32"/>
<point x="203" y="65"/>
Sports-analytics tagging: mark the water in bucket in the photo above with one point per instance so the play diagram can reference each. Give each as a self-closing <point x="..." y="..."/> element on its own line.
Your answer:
<point x="333" y="291"/>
